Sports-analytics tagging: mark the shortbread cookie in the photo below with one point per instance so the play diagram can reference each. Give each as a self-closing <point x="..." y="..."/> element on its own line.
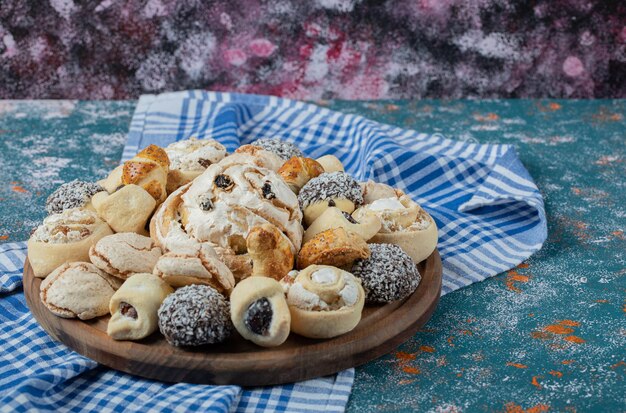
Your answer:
<point x="126" y="210"/>
<point x="298" y="171"/>
<point x="285" y="150"/>
<point x="125" y="254"/>
<point x="73" y="194"/>
<point x="389" y="274"/>
<point x="78" y="289"/>
<point x="64" y="237"/>
<point x="189" y="158"/>
<point x="336" y="189"/>
<point x="333" y="217"/>
<point x="199" y="266"/>
<point x="325" y="302"/>
<point x="330" y="163"/>
<point x="259" y="311"/>
<point x="335" y="246"/>
<point x="195" y="315"/>
<point x="135" y="305"/>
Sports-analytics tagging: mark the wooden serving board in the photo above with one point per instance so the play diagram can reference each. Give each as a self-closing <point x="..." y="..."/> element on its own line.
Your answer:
<point x="237" y="361"/>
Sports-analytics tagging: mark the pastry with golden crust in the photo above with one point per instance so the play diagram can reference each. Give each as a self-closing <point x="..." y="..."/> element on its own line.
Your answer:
<point x="325" y="302"/>
<point x="404" y="223"/>
<point x="64" y="237"/>
<point x="189" y="158"/>
<point x="125" y="254"/>
<point x="270" y="252"/>
<point x="78" y="289"/>
<point x="259" y="311"/>
<point x="298" y="171"/>
<point x="135" y="305"/>
<point x="335" y="246"/>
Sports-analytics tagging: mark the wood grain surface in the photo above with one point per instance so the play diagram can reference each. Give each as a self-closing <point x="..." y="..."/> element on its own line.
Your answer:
<point x="237" y="361"/>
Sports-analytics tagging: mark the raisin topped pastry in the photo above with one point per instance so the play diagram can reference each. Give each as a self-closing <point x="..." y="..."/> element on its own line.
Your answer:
<point x="64" y="237"/>
<point x="335" y="189"/>
<point x="259" y="311"/>
<point x="189" y="158"/>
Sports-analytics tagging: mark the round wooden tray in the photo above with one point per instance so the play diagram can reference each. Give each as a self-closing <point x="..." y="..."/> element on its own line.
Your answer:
<point x="237" y="361"/>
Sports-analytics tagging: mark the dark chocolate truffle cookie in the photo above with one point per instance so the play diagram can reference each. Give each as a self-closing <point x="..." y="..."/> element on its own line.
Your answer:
<point x="74" y="194"/>
<point x="285" y="150"/>
<point x="329" y="186"/>
<point x="195" y="315"/>
<point x="389" y="274"/>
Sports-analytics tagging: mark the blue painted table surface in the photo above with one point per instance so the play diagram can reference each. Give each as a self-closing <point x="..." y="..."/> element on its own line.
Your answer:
<point x="549" y="335"/>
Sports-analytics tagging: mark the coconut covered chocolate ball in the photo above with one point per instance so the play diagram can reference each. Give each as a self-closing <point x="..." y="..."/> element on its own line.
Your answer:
<point x="389" y="274"/>
<point x="195" y="315"/>
<point x="74" y="194"/>
<point x="335" y="189"/>
<point x="285" y="150"/>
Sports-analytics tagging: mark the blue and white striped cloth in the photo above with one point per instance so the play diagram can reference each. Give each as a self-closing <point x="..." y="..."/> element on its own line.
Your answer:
<point x="489" y="213"/>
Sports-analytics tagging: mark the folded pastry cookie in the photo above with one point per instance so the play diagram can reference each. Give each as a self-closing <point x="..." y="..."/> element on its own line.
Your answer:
<point x="298" y="171"/>
<point x="189" y="158"/>
<point x="389" y="274"/>
<point x="148" y="169"/>
<point x="125" y="254"/>
<point x="270" y="251"/>
<point x="259" y="311"/>
<point x="335" y="246"/>
<point x="199" y="266"/>
<point x="404" y="223"/>
<point x="64" y="237"/>
<point x="335" y="189"/>
<point x="135" y="305"/>
<point x="195" y="315"/>
<point x="330" y="163"/>
<point x="73" y="194"/>
<point x="78" y="289"/>
<point x="125" y="210"/>
<point x="325" y="302"/>
<point x="333" y="217"/>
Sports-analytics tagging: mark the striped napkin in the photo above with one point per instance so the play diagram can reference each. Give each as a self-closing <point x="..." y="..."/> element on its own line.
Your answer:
<point x="488" y="210"/>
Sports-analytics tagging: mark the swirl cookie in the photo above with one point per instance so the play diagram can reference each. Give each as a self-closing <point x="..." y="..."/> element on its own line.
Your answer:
<point x="78" y="289"/>
<point x="325" y="302"/>
<point x="64" y="237"/>
<point x="335" y="189"/>
<point x="259" y="311"/>
<point x="135" y="305"/>
<point x="389" y="274"/>
<point x="125" y="254"/>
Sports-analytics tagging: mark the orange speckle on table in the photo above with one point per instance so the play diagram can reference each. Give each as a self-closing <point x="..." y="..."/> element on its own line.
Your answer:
<point x="569" y="323"/>
<point x="541" y="335"/>
<point x="535" y="382"/>
<point x="4" y="237"/>
<point x="615" y="116"/>
<point x="411" y="370"/>
<point x="567" y="362"/>
<point x="602" y="301"/>
<point x="574" y="339"/>
<point x="392" y="107"/>
<point x="467" y="332"/>
<point x="515" y="408"/>
<point x="449" y="340"/>
<point x="427" y="349"/>
<point x="576" y="191"/>
<point x="619" y="363"/>
<point x="539" y="408"/>
<point x="401" y="355"/>
<point x="556" y="373"/>
<point x="516" y="365"/>
<point x="554" y="106"/>
<point x="618" y="234"/>
<point x="531" y="314"/>
<point x="406" y="381"/>
<point x="523" y="265"/>
<point x="17" y="188"/>
<point x="487" y="117"/>
<point x="558" y="329"/>
<point x="512" y="277"/>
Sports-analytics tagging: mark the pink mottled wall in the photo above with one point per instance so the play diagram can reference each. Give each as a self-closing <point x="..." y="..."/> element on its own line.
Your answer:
<point x="349" y="49"/>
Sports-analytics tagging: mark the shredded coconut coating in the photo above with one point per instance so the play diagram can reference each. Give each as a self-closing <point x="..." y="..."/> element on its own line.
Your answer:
<point x="328" y="186"/>
<point x="285" y="150"/>
<point x="73" y="194"/>
<point x="195" y="315"/>
<point x="387" y="275"/>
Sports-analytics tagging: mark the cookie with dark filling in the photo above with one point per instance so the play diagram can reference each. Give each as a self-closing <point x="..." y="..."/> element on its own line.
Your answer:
<point x="259" y="311"/>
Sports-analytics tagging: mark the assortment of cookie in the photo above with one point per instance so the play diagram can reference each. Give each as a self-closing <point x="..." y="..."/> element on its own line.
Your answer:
<point x="196" y="243"/>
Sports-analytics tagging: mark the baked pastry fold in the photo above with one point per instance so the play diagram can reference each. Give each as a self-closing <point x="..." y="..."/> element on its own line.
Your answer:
<point x="125" y="254"/>
<point x="189" y="158"/>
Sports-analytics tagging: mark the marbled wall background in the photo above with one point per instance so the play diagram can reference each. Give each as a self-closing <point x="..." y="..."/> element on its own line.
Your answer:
<point x="314" y="49"/>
